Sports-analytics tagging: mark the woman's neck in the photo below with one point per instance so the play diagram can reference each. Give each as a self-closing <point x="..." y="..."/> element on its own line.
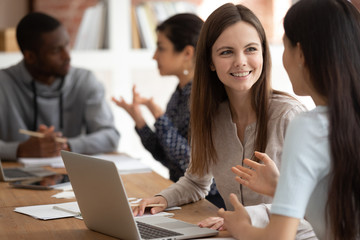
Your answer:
<point x="242" y="112"/>
<point x="185" y="79"/>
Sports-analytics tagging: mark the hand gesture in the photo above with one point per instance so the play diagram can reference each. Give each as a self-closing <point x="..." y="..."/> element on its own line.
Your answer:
<point x="235" y="221"/>
<point x="42" y="147"/>
<point x="139" y="210"/>
<point x="149" y="103"/>
<point x="154" y="108"/>
<point x="216" y="223"/>
<point x="261" y="178"/>
<point x="133" y="109"/>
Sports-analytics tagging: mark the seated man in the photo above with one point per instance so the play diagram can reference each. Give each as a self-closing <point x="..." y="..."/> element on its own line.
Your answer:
<point x="44" y="93"/>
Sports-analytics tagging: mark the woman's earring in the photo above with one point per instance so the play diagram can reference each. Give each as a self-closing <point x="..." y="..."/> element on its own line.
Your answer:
<point x="186" y="72"/>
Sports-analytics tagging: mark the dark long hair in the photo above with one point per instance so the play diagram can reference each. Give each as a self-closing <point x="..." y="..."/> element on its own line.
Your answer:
<point x="208" y="91"/>
<point x="329" y="35"/>
<point x="182" y="29"/>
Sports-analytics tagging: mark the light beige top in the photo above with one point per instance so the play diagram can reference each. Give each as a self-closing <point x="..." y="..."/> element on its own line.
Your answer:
<point x="231" y="152"/>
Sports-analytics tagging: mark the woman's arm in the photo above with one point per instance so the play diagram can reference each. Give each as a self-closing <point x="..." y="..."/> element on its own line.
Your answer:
<point x="173" y="143"/>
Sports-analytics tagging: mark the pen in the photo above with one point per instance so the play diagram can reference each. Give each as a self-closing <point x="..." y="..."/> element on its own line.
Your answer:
<point x="66" y="210"/>
<point x="149" y="205"/>
<point x="40" y="135"/>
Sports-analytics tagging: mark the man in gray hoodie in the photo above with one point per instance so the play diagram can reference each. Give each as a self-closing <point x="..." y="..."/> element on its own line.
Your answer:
<point x="44" y="93"/>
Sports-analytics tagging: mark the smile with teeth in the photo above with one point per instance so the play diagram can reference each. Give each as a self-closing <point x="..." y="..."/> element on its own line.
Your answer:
<point x="242" y="74"/>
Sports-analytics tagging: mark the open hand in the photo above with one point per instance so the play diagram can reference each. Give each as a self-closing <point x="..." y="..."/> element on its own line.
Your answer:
<point x="261" y="178"/>
<point x="235" y="221"/>
<point x="133" y="109"/>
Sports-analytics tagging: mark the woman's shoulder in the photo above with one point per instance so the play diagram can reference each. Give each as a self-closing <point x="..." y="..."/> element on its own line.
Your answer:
<point x="317" y="117"/>
<point x="282" y="105"/>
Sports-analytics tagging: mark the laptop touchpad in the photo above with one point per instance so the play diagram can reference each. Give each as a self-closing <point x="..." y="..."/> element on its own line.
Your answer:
<point x="174" y="225"/>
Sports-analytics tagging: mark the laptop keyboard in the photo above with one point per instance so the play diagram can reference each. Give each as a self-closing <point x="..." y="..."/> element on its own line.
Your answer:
<point x="15" y="173"/>
<point x="148" y="231"/>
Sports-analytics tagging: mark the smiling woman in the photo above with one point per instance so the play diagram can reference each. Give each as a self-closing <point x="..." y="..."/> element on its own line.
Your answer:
<point x="234" y="112"/>
<point x="237" y="57"/>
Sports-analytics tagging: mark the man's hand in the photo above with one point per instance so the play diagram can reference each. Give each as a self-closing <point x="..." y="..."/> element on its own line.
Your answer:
<point x="42" y="147"/>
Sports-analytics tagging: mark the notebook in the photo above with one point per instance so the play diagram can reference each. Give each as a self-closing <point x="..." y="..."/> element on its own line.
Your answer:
<point x="105" y="208"/>
<point x="22" y="173"/>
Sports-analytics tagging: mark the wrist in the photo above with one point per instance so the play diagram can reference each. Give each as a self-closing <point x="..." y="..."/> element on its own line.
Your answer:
<point x="154" y="109"/>
<point x="140" y="124"/>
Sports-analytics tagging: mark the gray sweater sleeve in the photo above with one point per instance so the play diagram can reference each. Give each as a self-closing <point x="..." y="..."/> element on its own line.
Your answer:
<point x="8" y="150"/>
<point x="189" y="188"/>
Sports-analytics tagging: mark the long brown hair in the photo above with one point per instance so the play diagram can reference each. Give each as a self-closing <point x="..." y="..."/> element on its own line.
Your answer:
<point x="208" y="91"/>
<point x="329" y="36"/>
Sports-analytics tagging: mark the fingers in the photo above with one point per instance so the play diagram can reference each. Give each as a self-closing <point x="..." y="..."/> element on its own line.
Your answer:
<point x="121" y="102"/>
<point x="115" y="101"/>
<point x="156" y="210"/>
<point x="241" y="177"/>
<point x="242" y="181"/>
<point x="242" y="171"/>
<point x="207" y="221"/>
<point x="139" y="210"/>
<point x="212" y="222"/>
<point x="251" y="163"/>
<point x="42" y="128"/>
<point x="263" y="157"/>
<point x="235" y="201"/>
<point x="221" y="213"/>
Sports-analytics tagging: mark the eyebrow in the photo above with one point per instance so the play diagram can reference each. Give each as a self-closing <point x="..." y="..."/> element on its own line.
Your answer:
<point x="247" y="45"/>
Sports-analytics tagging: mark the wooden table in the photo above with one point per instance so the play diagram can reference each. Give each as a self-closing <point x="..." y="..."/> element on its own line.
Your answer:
<point x="18" y="226"/>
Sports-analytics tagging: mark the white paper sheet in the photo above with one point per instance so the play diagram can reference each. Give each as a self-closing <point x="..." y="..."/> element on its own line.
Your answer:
<point x="40" y="162"/>
<point x="46" y="212"/>
<point x="124" y="164"/>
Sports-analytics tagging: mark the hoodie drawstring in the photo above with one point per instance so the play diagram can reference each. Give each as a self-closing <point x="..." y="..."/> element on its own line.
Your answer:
<point x="35" y="105"/>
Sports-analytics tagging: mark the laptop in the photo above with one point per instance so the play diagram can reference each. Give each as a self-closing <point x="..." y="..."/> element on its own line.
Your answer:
<point x="22" y="173"/>
<point x="105" y="208"/>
